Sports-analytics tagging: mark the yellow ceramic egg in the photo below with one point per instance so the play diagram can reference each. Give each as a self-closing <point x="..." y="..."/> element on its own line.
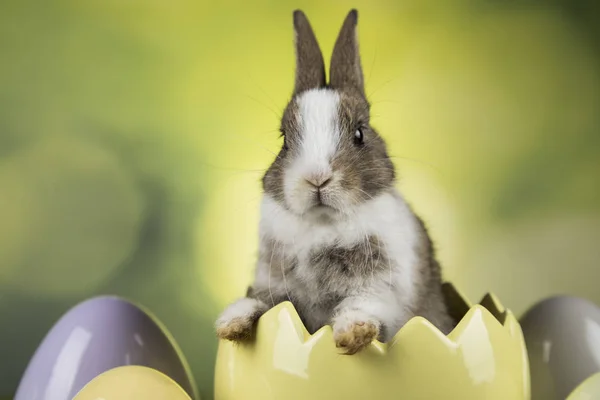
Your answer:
<point x="588" y="389"/>
<point x="484" y="357"/>
<point x="130" y="383"/>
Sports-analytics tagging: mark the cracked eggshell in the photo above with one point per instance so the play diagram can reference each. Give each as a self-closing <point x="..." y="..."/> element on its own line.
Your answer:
<point x="482" y="358"/>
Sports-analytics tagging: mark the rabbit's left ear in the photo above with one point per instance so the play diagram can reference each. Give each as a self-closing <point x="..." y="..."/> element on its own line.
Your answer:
<point x="346" y="71"/>
<point x="310" y="68"/>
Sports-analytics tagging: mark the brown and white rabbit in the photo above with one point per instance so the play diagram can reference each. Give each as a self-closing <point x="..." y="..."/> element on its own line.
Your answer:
<point x="336" y="238"/>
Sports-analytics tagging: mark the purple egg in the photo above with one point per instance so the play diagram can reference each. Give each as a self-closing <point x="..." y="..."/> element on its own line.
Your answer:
<point x="97" y="335"/>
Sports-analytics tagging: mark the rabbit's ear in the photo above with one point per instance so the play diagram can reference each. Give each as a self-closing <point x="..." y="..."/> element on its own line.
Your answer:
<point x="310" y="68"/>
<point x="346" y="71"/>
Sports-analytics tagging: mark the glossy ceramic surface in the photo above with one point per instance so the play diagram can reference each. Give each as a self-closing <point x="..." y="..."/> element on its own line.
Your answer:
<point x="588" y="390"/>
<point x="563" y="341"/>
<point x="132" y="383"/>
<point x="96" y="336"/>
<point x="483" y="358"/>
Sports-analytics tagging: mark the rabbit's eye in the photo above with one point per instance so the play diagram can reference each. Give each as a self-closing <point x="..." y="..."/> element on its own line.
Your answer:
<point x="283" y="135"/>
<point x="358" y="136"/>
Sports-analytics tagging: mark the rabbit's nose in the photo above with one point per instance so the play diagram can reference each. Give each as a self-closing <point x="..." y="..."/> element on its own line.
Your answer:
<point x="319" y="181"/>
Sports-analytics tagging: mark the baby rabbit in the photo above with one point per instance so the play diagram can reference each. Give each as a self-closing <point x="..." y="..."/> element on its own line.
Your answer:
<point x="336" y="238"/>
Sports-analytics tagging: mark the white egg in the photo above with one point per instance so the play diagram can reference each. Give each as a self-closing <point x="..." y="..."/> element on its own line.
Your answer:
<point x="562" y="335"/>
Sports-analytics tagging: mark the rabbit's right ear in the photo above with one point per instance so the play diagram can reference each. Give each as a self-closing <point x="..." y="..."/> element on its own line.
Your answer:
<point x="310" y="68"/>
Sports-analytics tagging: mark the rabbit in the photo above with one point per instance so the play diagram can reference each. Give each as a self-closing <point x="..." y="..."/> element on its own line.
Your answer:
<point x="336" y="238"/>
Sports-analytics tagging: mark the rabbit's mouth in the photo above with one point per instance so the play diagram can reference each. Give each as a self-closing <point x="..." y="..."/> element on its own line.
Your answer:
<point x="321" y="200"/>
<point x="323" y="208"/>
<point x="322" y="213"/>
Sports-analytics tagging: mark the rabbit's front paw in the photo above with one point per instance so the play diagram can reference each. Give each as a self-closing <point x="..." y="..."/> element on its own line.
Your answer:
<point x="238" y="320"/>
<point x="353" y="336"/>
<point x="236" y="329"/>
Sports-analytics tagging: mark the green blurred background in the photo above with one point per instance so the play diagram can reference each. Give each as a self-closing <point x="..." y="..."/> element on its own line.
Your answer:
<point x="133" y="135"/>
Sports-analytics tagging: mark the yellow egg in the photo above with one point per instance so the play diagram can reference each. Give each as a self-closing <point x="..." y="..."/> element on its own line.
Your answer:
<point x="484" y="357"/>
<point x="588" y="389"/>
<point x="132" y="382"/>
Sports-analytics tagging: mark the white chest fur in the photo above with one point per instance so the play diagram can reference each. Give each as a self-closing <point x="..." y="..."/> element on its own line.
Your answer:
<point x="387" y="217"/>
